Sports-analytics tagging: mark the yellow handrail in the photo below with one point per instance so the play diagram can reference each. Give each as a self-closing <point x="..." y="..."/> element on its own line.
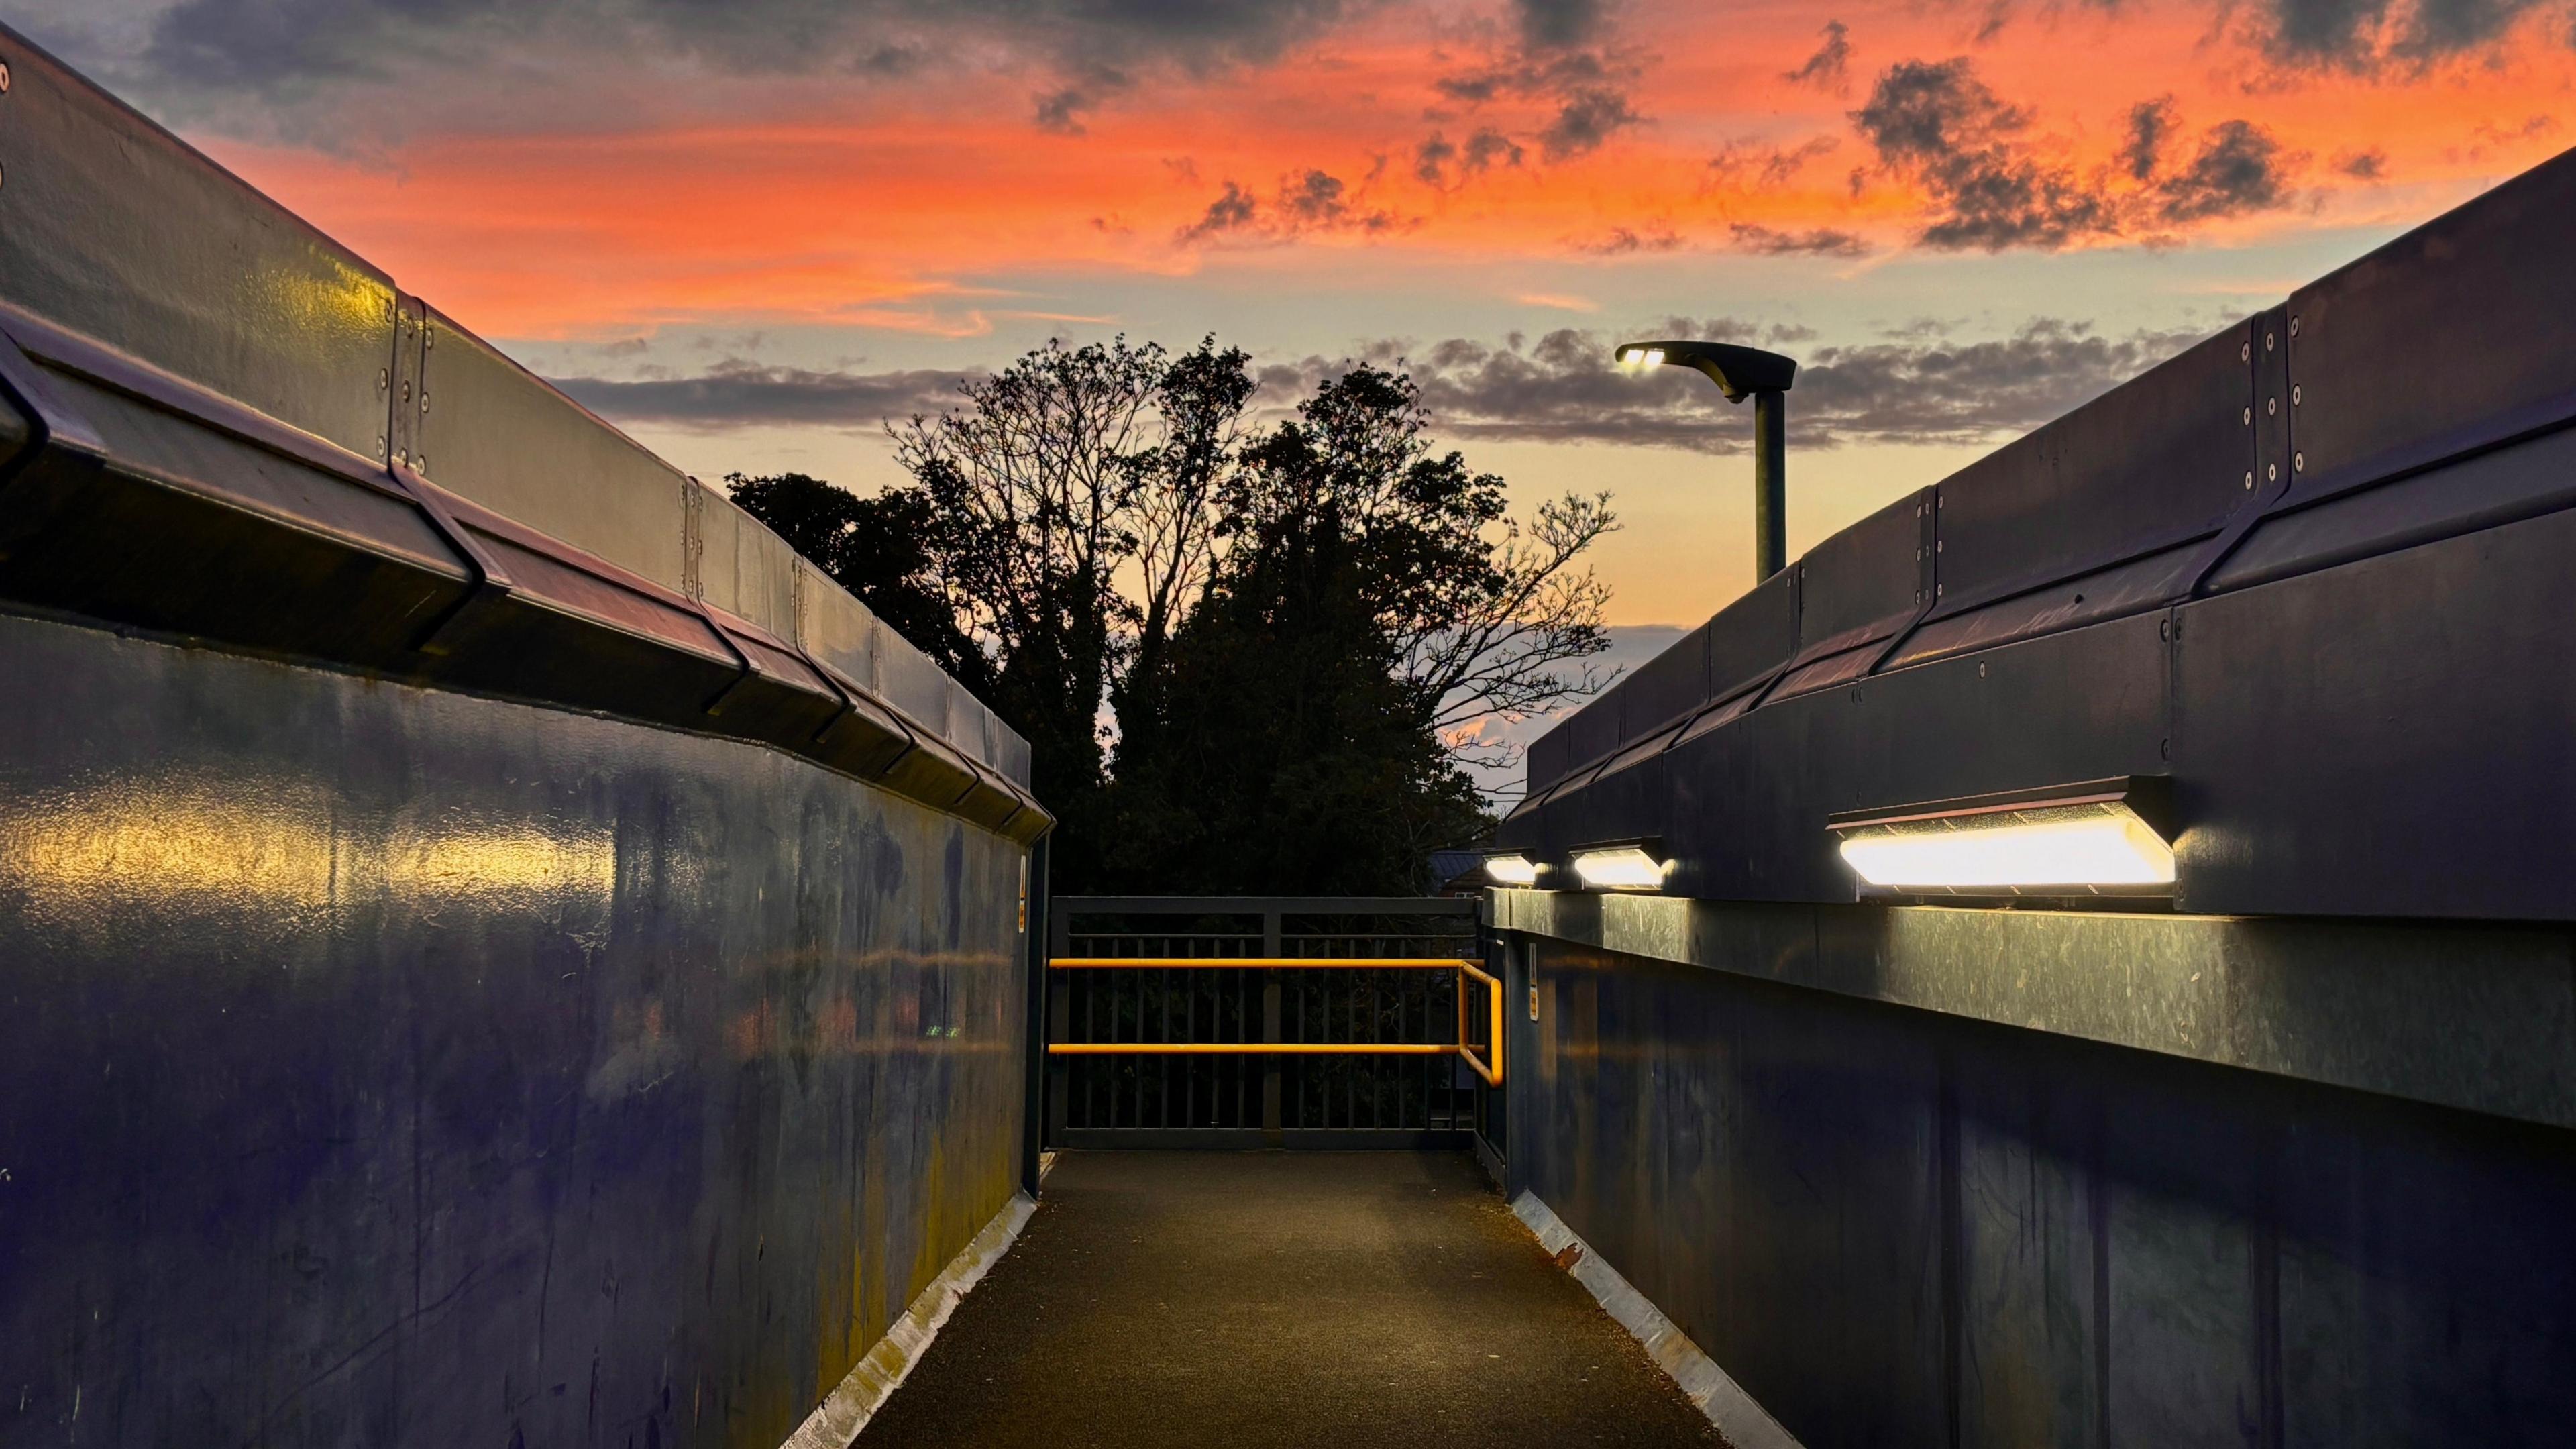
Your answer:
<point x="1491" y="1074"/>
<point x="1254" y="963"/>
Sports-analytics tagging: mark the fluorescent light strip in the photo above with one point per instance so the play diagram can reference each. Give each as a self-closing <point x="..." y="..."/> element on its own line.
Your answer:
<point x="1510" y="870"/>
<point x="1623" y="869"/>
<point x="2105" y="846"/>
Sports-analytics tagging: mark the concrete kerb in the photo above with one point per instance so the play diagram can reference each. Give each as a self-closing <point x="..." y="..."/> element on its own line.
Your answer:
<point x="1745" y="1423"/>
<point x="846" y="1411"/>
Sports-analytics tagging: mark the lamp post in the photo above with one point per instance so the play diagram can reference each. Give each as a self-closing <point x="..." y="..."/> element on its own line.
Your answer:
<point x="1742" y="372"/>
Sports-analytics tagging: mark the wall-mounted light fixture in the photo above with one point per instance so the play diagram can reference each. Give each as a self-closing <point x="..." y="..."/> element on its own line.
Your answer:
<point x="1514" y="870"/>
<point x="2097" y="837"/>
<point x="1621" y="865"/>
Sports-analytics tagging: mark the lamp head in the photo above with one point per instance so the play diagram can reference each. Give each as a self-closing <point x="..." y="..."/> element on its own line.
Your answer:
<point x="1739" y="372"/>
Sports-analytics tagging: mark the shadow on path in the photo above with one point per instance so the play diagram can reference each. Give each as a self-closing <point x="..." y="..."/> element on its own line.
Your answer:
<point x="1351" y="1299"/>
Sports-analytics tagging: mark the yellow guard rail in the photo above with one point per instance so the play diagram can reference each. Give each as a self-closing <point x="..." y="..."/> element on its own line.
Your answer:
<point x="1491" y="1072"/>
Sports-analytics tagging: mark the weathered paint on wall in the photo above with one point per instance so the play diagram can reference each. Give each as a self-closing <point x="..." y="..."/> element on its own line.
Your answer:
<point x="391" y="1066"/>
<point x="1898" y="1227"/>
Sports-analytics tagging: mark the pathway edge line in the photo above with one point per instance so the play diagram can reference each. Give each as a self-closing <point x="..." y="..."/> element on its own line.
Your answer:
<point x="844" y="1412"/>
<point x="1737" y="1415"/>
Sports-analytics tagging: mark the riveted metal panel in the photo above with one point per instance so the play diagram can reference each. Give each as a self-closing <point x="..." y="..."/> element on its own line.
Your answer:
<point x="499" y="435"/>
<point x="1865" y="581"/>
<point x="458" y="1048"/>
<point x="2457" y="335"/>
<point x="910" y="681"/>
<point x="2157" y="460"/>
<point x="117" y="230"/>
<point x="840" y="631"/>
<point x="1754" y="635"/>
<point x="1749" y="799"/>
<point x="2389" y="737"/>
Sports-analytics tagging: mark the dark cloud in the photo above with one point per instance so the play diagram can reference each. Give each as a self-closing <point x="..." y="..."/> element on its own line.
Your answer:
<point x="1991" y="188"/>
<point x="1311" y="201"/>
<point x="2370" y="165"/>
<point x="1931" y="389"/>
<point x="1763" y="165"/>
<point x="1622" y="241"/>
<point x="1819" y="242"/>
<point x="2151" y="124"/>
<point x="743" y="394"/>
<point x="1826" y="69"/>
<point x="1566" y="57"/>
<point x="2238" y="169"/>
<point x="2366" y="36"/>
<point x="1061" y="111"/>
<point x="1233" y="210"/>
<point x="1442" y="162"/>
<point x="246" y="61"/>
<point x="1585" y="120"/>
<point x="1940" y="125"/>
<point x="1561" y="24"/>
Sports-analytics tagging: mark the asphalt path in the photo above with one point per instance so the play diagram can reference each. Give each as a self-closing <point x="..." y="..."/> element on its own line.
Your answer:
<point x="1351" y="1300"/>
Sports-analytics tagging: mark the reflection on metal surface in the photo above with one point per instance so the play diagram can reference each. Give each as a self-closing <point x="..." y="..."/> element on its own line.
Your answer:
<point x="1620" y="868"/>
<point x="2087" y="846"/>
<point x="186" y="845"/>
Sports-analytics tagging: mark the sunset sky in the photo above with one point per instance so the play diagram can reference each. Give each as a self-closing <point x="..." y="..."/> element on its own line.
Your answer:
<point x="749" y="231"/>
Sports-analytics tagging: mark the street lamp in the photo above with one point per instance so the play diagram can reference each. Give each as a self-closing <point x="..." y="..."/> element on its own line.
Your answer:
<point x="1742" y="372"/>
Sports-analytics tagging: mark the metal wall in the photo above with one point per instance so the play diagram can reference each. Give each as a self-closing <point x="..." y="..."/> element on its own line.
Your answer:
<point x="401" y="1067"/>
<point x="496" y="950"/>
<point x="1894" y="1226"/>
<point x="2309" y="568"/>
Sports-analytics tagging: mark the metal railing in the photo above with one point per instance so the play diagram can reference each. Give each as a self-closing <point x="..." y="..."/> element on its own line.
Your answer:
<point x="1250" y="1021"/>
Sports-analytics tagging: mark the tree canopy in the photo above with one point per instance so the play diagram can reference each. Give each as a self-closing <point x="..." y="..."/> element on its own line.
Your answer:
<point x="1246" y="658"/>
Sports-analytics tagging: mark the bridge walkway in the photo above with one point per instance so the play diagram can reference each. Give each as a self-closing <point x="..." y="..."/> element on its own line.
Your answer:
<point x="1359" y="1300"/>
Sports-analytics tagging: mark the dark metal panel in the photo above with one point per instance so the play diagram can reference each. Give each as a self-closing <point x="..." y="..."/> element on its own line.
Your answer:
<point x="1900" y="1227"/>
<point x="2387" y="738"/>
<point x="1753" y="636"/>
<point x="1867" y="580"/>
<point x="393" y="1055"/>
<point x="2128" y="588"/>
<point x="2156" y="461"/>
<point x="2484" y="491"/>
<point x="1665" y="687"/>
<point x="1746" y="820"/>
<point x="492" y="432"/>
<point x="119" y="230"/>
<point x="2454" y="336"/>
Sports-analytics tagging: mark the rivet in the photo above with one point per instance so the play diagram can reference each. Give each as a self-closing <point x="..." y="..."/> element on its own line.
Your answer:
<point x="2245" y="353"/>
<point x="1936" y="545"/>
<point x="384" y="378"/>
<point x="1939" y="589"/>
<point x="2271" y="472"/>
<point x="403" y="457"/>
<point x="2249" y="415"/>
<point x="424" y="402"/>
<point x="2271" y="407"/>
<point x="2298" y="462"/>
<point x="2294" y="326"/>
<point x="406" y="389"/>
<point x="2249" y="477"/>
<point x="2294" y="394"/>
<point x="1981" y="671"/>
<point x="421" y="465"/>
<point x="2270" y="342"/>
<point x="380" y="445"/>
<point x="428" y="337"/>
<point x="4" y="77"/>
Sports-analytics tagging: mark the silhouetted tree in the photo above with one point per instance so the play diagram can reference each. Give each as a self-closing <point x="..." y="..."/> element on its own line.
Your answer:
<point x="1300" y="629"/>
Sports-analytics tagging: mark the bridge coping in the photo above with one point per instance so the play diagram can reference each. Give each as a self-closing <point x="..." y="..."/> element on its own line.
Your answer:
<point x="2481" y="1018"/>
